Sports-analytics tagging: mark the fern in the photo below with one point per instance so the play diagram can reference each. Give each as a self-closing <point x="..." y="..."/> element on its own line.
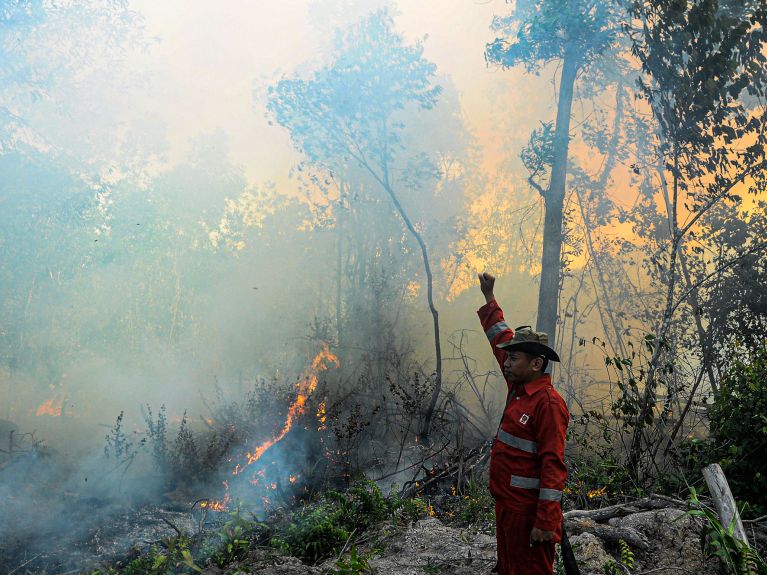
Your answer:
<point x="627" y="555"/>
<point x="626" y="560"/>
<point x="751" y="563"/>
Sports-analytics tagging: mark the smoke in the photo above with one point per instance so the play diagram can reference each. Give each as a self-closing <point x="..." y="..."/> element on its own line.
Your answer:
<point x="166" y="245"/>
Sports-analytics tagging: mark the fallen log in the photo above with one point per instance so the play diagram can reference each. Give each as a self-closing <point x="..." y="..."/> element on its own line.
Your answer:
<point x="623" y="509"/>
<point x="606" y="532"/>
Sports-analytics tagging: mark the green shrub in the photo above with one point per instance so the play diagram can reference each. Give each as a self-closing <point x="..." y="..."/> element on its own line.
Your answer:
<point x="323" y="528"/>
<point x="232" y="540"/>
<point x="168" y="558"/>
<point x="735" y="557"/>
<point x="477" y="506"/>
<point x="352" y="564"/>
<point x="739" y="429"/>
<point x="413" y="509"/>
<point x="738" y="433"/>
<point x="313" y="533"/>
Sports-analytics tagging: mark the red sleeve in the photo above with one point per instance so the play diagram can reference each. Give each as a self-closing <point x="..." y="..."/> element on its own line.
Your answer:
<point x="551" y="419"/>
<point x="495" y="328"/>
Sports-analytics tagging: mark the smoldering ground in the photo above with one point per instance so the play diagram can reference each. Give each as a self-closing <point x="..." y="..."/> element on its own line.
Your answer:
<point x="258" y="453"/>
<point x="77" y="510"/>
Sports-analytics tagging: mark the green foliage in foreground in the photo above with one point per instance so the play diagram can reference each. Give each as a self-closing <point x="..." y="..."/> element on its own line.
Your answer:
<point x="738" y="436"/>
<point x="171" y="556"/>
<point x="625" y="563"/>
<point x="352" y="564"/>
<point x="179" y="555"/>
<point x="326" y="527"/>
<point x="739" y="429"/>
<point x="477" y="506"/>
<point x="735" y="557"/>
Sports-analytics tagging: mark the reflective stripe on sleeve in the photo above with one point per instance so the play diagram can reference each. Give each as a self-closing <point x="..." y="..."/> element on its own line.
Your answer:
<point x="496" y="329"/>
<point x="525" y="482"/>
<point x="518" y="442"/>
<point x="550" y="494"/>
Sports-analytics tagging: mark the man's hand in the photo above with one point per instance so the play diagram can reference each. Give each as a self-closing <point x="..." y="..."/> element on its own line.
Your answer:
<point x="538" y="536"/>
<point x="486" y="283"/>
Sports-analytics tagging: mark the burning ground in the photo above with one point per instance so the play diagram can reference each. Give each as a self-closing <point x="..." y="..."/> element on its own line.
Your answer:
<point x="99" y="506"/>
<point x="437" y="528"/>
<point x="287" y="495"/>
<point x="318" y="477"/>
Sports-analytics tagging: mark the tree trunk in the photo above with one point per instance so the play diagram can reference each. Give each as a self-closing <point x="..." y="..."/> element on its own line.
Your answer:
<point x="385" y="182"/>
<point x="554" y="200"/>
<point x="426" y="424"/>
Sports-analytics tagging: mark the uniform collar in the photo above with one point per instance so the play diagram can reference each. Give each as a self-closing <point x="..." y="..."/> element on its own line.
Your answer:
<point x="537" y="384"/>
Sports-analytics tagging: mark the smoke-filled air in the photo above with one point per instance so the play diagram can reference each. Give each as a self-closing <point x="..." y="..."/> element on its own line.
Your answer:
<point x="343" y="287"/>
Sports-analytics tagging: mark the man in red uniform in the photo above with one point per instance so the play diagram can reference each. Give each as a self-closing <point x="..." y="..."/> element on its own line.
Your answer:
<point x="527" y="468"/>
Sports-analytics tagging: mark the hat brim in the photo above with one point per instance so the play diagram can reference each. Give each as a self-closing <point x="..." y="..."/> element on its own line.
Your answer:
<point x="531" y="347"/>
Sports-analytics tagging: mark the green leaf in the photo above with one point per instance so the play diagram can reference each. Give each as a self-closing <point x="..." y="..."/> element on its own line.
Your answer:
<point x="189" y="562"/>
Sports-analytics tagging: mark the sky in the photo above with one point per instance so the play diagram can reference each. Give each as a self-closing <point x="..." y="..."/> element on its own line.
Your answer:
<point x="211" y="64"/>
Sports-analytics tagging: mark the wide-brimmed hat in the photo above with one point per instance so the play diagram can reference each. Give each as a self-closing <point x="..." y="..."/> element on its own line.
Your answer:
<point x="532" y="342"/>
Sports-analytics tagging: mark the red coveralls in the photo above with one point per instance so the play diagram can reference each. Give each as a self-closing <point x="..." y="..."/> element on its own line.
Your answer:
<point x="527" y="468"/>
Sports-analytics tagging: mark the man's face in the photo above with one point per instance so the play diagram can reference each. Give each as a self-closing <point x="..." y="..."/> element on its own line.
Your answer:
<point x="519" y="367"/>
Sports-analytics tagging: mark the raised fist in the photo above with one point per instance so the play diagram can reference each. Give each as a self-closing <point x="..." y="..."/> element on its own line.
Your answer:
<point x="486" y="283"/>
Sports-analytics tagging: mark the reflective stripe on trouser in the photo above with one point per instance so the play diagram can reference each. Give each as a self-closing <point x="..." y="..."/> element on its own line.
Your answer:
<point x="496" y="329"/>
<point x="515" y="556"/>
<point x="518" y="442"/>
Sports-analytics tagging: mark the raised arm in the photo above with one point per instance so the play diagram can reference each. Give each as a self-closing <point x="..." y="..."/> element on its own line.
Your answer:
<point x="491" y="316"/>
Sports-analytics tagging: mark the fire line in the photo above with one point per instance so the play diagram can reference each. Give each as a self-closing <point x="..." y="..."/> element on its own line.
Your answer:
<point x="305" y="387"/>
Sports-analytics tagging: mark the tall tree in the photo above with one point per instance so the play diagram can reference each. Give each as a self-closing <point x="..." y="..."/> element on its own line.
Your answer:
<point x="351" y="112"/>
<point x="701" y="61"/>
<point x="572" y="34"/>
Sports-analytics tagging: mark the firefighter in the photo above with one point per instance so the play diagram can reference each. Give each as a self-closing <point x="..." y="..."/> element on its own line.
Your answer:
<point x="527" y="468"/>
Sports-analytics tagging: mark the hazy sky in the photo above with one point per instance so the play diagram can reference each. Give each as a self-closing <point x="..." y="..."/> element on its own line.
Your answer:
<point x="212" y="62"/>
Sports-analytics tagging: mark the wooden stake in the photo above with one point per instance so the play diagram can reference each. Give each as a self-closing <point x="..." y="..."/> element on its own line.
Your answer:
<point x="723" y="500"/>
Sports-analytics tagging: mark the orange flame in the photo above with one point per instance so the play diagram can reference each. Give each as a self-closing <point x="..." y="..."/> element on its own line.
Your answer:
<point x="322" y="416"/>
<point x="305" y="387"/>
<point x="218" y="505"/>
<point x="596" y="492"/>
<point x="51" y="407"/>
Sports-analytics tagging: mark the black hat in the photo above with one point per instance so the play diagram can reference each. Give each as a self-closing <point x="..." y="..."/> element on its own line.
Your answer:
<point x="529" y="341"/>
